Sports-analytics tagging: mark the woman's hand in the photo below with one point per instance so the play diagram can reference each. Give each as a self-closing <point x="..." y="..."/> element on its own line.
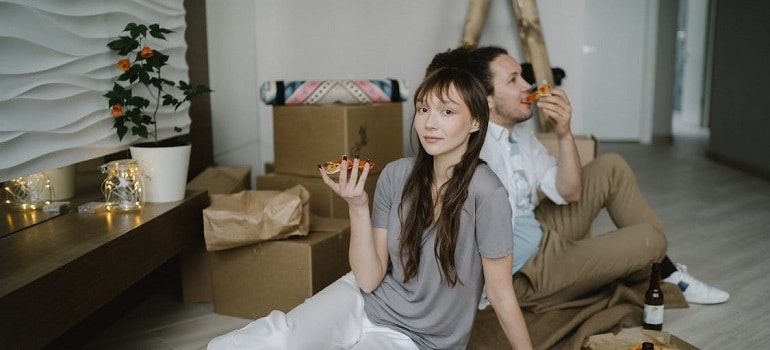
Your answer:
<point x="368" y="252"/>
<point x="351" y="184"/>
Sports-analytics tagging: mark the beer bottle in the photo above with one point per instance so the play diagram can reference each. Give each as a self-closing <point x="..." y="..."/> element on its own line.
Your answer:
<point x="653" y="302"/>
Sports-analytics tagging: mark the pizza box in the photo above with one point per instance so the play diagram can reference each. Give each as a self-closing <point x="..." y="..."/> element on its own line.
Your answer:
<point x="631" y="337"/>
<point x="307" y="135"/>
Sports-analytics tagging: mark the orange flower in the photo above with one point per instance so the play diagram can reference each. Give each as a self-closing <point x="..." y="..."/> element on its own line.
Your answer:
<point x="117" y="110"/>
<point x="124" y="64"/>
<point x="146" y="52"/>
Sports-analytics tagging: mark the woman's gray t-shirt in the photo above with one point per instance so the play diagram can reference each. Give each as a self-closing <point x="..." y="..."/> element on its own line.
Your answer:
<point x="427" y="309"/>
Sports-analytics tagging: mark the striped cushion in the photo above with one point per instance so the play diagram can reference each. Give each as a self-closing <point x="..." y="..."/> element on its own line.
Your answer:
<point x="325" y="92"/>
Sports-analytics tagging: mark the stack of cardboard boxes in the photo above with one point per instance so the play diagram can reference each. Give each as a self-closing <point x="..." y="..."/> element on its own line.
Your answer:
<point x="250" y="281"/>
<point x="308" y="135"/>
<point x="195" y="261"/>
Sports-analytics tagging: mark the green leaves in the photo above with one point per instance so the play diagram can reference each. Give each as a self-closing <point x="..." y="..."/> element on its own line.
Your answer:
<point x="157" y="32"/>
<point x="123" y="45"/>
<point x="116" y="95"/>
<point x="140" y="30"/>
<point x="144" y="70"/>
<point x="136" y="30"/>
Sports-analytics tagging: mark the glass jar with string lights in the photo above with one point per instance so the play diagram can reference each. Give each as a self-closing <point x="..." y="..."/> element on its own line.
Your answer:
<point x="123" y="186"/>
<point x="29" y="192"/>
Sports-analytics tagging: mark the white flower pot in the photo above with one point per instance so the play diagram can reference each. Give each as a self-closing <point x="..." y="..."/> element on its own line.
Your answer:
<point x="165" y="171"/>
<point x="62" y="182"/>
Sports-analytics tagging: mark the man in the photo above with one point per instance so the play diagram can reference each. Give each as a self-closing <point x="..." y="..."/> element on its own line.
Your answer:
<point x="556" y="259"/>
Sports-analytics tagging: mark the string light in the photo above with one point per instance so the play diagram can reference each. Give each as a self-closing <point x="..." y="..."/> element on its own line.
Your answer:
<point x="29" y="192"/>
<point x="123" y="187"/>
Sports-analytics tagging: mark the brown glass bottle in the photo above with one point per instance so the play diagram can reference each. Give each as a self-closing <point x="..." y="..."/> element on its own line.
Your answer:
<point x="653" y="302"/>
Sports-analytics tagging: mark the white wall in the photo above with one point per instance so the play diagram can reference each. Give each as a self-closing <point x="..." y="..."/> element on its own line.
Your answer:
<point x="251" y="42"/>
<point x="55" y="67"/>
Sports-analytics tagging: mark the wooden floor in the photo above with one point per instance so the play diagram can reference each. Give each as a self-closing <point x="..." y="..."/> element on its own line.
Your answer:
<point x="717" y="223"/>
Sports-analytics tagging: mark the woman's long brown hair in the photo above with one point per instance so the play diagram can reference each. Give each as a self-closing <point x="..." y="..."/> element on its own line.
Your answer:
<point x="417" y="190"/>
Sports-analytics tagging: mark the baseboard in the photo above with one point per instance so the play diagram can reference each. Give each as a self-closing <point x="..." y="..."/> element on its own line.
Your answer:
<point x="662" y="139"/>
<point x="742" y="166"/>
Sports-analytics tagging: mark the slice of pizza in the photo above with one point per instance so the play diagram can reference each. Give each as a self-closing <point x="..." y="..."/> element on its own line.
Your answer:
<point x="335" y="167"/>
<point x="542" y="91"/>
<point x="331" y="167"/>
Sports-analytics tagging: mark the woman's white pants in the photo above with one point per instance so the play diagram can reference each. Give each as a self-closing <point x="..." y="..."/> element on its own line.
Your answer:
<point x="334" y="318"/>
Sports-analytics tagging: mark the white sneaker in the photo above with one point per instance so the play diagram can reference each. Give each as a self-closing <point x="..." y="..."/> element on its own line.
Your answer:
<point x="695" y="291"/>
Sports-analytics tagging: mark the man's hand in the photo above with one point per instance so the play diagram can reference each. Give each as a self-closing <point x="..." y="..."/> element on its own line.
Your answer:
<point x="558" y="110"/>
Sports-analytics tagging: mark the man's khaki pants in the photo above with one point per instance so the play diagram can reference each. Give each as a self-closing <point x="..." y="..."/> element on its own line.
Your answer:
<point x="571" y="262"/>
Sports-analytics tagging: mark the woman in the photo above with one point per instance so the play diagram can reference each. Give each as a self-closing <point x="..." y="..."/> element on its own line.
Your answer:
<point x="439" y="229"/>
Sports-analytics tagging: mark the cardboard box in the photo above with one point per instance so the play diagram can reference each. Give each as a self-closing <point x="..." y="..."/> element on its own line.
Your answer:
<point x="305" y="135"/>
<point x="195" y="266"/>
<point x="222" y="180"/>
<point x="628" y="338"/>
<point x="252" y="281"/>
<point x="586" y="145"/>
<point x="323" y="201"/>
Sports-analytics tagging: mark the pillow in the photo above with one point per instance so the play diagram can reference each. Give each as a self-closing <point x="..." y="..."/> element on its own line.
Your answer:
<point x="325" y="92"/>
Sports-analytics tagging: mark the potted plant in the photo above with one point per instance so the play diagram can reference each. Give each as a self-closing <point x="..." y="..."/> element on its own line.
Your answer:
<point x="137" y="95"/>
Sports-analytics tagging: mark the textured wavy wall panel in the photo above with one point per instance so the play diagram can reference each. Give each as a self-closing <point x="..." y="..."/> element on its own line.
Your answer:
<point x="54" y="70"/>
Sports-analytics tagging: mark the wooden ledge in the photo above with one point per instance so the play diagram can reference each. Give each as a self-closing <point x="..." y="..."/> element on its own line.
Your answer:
<point x="56" y="273"/>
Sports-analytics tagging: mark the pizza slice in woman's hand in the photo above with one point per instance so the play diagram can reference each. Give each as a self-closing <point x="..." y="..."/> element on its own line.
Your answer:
<point x="335" y="167"/>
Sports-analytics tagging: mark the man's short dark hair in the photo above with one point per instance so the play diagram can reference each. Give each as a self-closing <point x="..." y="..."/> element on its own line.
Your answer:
<point x="475" y="60"/>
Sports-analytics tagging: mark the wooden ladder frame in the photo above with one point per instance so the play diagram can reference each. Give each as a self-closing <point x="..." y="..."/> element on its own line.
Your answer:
<point x="530" y="33"/>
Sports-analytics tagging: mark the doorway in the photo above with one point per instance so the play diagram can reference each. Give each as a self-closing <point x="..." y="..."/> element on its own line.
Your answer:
<point x="693" y="69"/>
